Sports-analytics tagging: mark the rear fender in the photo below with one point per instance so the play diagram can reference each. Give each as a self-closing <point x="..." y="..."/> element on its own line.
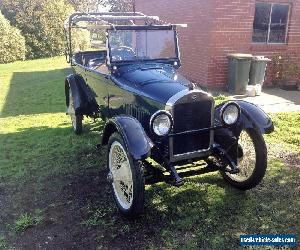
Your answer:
<point x="70" y="83"/>
<point x="84" y="98"/>
<point x="137" y="142"/>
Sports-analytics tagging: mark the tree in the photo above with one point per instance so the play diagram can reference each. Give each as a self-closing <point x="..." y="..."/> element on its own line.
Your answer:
<point x="120" y="5"/>
<point x="12" y="43"/>
<point x="94" y="5"/>
<point x="86" y="5"/>
<point x="41" y="23"/>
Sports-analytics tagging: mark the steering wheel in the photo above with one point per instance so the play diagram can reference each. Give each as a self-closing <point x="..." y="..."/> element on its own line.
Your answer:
<point x="122" y="53"/>
<point x="93" y="61"/>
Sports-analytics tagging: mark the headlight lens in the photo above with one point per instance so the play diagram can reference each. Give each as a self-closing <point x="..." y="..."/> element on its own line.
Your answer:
<point x="161" y="124"/>
<point x="230" y="113"/>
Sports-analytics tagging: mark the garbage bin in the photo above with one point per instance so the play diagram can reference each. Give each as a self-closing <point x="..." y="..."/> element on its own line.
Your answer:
<point x="238" y="74"/>
<point x="258" y="70"/>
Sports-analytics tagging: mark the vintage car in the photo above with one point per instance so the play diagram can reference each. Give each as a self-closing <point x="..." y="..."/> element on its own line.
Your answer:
<point x="156" y="120"/>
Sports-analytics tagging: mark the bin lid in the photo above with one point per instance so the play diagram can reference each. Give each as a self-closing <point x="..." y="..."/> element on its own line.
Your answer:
<point x="240" y="56"/>
<point x="261" y="58"/>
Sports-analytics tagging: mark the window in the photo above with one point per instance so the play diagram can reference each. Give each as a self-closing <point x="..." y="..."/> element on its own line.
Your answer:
<point x="270" y="23"/>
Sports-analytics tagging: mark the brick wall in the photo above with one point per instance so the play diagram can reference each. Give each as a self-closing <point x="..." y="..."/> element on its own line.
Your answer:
<point x="290" y="49"/>
<point x="231" y="32"/>
<point x="193" y="41"/>
<point x="217" y="28"/>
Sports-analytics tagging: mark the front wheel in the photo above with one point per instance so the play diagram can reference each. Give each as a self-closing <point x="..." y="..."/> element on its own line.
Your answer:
<point x="126" y="176"/>
<point x="252" y="160"/>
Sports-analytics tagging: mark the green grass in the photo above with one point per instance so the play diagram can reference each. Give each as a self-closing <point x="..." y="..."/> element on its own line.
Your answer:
<point x="287" y="131"/>
<point x="27" y="220"/>
<point x="219" y="98"/>
<point x="35" y="132"/>
<point x="45" y="167"/>
<point x="3" y="244"/>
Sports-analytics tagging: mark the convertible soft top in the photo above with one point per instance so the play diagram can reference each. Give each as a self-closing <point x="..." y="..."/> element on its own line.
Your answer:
<point x="111" y="19"/>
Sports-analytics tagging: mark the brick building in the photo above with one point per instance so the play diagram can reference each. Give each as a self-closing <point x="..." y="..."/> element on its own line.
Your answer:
<point x="219" y="27"/>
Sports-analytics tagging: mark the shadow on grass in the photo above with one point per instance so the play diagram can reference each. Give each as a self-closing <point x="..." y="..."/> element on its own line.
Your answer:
<point x="37" y="168"/>
<point x="206" y="213"/>
<point x="64" y="176"/>
<point x="35" y="93"/>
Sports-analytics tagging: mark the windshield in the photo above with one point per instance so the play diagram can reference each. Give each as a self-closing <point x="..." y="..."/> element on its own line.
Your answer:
<point x="134" y="45"/>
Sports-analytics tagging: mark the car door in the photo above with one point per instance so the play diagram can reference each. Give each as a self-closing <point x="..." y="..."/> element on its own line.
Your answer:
<point x="119" y="97"/>
<point x="98" y="82"/>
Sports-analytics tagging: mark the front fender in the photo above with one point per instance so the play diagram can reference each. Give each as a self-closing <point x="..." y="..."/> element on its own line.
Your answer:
<point x="252" y="116"/>
<point x="137" y="142"/>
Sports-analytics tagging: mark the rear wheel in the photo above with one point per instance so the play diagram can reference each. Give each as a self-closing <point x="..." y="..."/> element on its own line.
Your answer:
<point x="252" y="160"/>
<point x="76" y="120"/>
<point x="126" y="176"/>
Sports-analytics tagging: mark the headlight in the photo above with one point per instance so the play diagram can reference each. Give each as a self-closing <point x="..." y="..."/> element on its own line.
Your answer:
<point x="230" y="113"/>
<point x="161" y="123"/>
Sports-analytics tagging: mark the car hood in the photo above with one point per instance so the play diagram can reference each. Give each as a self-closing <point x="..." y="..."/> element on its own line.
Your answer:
<point x="158" y="82"/>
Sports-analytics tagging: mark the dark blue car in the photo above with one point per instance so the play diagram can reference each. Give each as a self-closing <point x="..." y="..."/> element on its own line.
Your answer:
<point x="157" y="120"/>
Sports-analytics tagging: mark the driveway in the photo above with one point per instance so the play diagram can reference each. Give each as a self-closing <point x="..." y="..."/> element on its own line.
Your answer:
<point x="274" y="100"/>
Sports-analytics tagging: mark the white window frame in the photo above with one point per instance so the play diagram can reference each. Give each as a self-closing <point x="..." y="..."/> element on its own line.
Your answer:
<point x="269" y="26"/>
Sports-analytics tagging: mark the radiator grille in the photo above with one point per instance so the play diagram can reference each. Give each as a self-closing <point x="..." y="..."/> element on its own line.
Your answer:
<point x="190" y="116"/>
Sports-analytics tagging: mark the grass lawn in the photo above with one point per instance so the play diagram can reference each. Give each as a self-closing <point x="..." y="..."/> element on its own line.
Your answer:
<point x="54" y="194"/>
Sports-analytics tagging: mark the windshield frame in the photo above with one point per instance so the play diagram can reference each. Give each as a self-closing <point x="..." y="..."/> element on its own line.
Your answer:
<point x="144" y="27"/>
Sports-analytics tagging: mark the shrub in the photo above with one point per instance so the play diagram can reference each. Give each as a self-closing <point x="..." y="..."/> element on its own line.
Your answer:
<point x="12" y="43"/>
<point x="80" y="39"/>
<point x="41" y="23"/>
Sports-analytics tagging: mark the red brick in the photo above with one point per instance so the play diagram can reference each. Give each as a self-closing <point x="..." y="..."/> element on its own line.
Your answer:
<point x="217" y="28"/>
